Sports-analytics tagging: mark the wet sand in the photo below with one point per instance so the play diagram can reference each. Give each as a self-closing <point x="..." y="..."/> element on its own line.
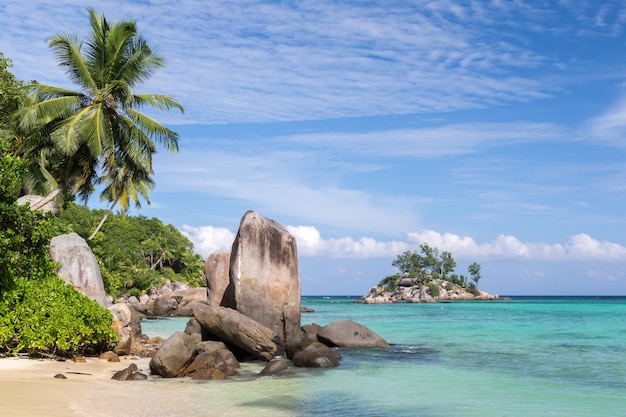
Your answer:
<point x="28" y="388"/>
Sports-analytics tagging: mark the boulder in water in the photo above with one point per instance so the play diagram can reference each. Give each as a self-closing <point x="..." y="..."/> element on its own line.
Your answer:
<point x="348" y="333"/>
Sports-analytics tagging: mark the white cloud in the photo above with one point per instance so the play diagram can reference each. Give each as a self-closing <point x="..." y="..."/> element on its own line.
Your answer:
<point x="581" y="247"/>
<point x="208" y="239"/>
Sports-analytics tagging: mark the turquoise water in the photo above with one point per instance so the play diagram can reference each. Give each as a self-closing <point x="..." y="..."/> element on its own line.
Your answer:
<point x="528" y="357"/>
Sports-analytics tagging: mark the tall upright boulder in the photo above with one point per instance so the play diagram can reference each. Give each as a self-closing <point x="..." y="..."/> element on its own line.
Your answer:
<point x="79" y="266"/>
<point x="264" y="282"/>
<point x="216" y="272"/>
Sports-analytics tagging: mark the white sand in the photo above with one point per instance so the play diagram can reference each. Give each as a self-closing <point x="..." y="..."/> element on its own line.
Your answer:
<point x="28" y="388"/>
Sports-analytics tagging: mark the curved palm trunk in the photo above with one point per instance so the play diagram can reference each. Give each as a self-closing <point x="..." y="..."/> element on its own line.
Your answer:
<point x="46" y="200"/>
<point x="95" y="232"/>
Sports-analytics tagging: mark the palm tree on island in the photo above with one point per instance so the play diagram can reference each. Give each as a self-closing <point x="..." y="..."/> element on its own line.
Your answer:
<point x="76" y="139"/>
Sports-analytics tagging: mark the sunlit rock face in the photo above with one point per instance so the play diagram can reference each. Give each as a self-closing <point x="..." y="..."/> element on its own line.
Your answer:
<point x="216" y="272"/>
<point x="264" y="281"/>
<point x="79" y="266"/>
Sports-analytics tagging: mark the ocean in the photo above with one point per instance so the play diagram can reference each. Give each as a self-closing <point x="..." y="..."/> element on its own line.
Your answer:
<point x="527" y="357"/>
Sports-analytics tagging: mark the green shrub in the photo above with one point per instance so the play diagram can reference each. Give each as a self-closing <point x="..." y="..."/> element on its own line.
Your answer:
<point x="390" y="283"/>
<point x="471" y="288"/>
<point x="433" y="289"/>
<point x="48" y="315"/>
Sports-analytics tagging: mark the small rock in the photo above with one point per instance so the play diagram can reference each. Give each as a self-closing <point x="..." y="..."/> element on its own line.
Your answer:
<point x="138" y="376"/>
<point x="275" y="367"/>
<point x="125" y="374"/>
<point x="60" y="376"/>
<point x="109" y="356"/>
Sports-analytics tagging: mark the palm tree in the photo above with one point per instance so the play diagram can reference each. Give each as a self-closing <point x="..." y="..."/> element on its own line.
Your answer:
<point x="76" y="139"/>
<point x="126" y="184"/>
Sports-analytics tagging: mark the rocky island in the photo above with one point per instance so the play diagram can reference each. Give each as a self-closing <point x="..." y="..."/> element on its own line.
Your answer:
<point x="426" y="277"/>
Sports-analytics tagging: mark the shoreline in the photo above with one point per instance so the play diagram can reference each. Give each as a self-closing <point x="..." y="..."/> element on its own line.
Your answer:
<point x="28" y="388"/>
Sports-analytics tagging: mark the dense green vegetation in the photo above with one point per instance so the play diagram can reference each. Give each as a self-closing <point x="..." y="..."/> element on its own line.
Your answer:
<point x="136" y="253"/>
<point x="39" y="312"/>
<point x="62" y="143"/>
<point x="427" y="265"/>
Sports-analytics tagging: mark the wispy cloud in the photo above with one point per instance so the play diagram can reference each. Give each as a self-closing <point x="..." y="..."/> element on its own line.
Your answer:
<point x="268" y="61"/>
<point x="438" y="141"/>
<point x="610" y="127"/>
<point x="285" y="184"/>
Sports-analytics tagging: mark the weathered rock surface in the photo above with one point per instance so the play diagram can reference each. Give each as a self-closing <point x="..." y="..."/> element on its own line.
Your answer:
<point x="216" y="270"/>
<point x="310" y="331"/>
<point x="212" y="364"/>
<point x="79" y="266"/>
<point x="131" y="373"/>
<point x="193" y="327"/>
<point x="348" y="333"/>
<point x="235" y="328"/>
<point x="177" y="302"/>
<point x="315" y="355"/>
<point x="276" y="366"/>
<point x="174" y="355"/>
<point x="264" y="282"/>
<point x="127" y="324"/>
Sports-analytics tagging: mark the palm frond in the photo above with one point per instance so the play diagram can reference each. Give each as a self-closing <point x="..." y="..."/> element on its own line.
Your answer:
<point x="67" y="49"/>
<point x="158" y="101"/>
<point x="43" y="112"/>
<point x="163" y="135"/>
<point x="140" y="63"/>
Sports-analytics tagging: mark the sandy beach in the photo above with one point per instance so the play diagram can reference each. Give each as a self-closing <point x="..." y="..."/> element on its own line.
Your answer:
<point x="28" y="388"/>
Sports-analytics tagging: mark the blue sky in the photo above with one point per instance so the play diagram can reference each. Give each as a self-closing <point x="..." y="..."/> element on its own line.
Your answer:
<point x="492" y="129"/>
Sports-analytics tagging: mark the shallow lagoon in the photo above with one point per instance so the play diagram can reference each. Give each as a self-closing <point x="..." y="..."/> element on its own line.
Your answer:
<point x="532" y="356"/>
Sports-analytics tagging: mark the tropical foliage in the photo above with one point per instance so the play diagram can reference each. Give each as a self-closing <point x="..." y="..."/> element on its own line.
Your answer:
<point x="136" y="253"/>
<point x="63" y="143"/>
<point x="38" y="311"/>
<point x="429" y="264"/>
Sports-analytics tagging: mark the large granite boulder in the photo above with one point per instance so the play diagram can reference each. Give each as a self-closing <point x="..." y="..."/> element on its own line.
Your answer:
<point x="174" y="355"/>
<point x="79" y="266"/>
<point x="216" y="270"/>
<point x="347" y="333"/>
<point x="234" y="328"/>
<point x="264" y="282"/>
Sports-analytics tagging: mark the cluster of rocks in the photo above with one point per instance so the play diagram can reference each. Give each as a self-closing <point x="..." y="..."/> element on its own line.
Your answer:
<point x="410" y="290"/>
<point x="253" y="312"/>
<point x="171" y="299"/>
<point x="250" y="309"/>
<point x="217" y="338"/>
